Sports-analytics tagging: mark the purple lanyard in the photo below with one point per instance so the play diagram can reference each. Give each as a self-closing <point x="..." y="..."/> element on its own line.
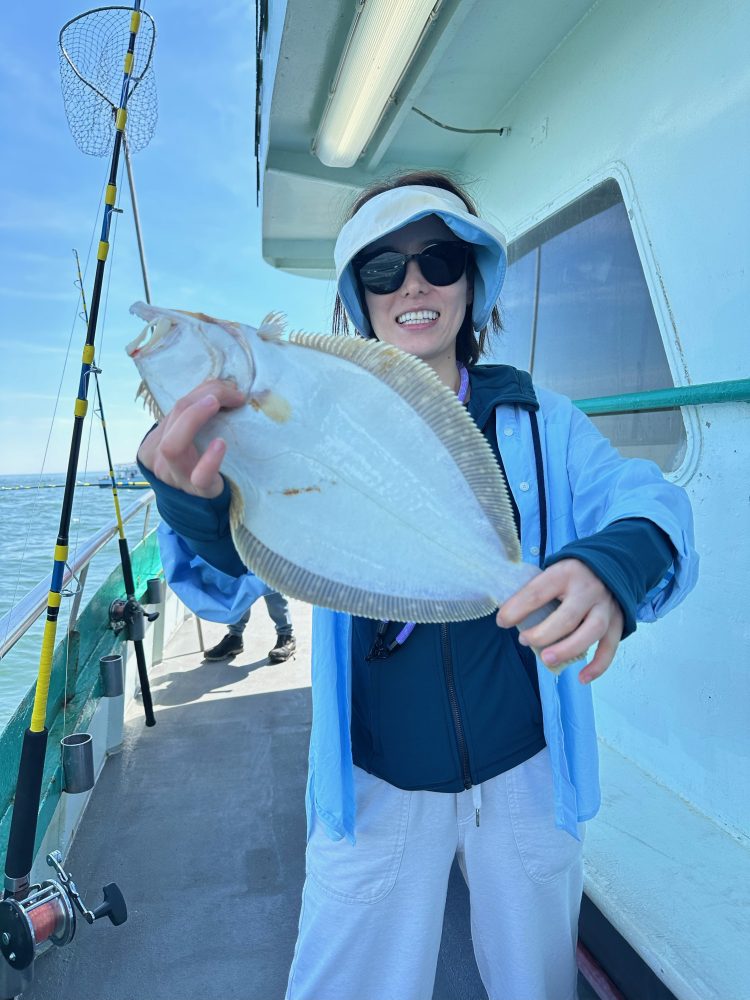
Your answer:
<point x="408" y="628"/>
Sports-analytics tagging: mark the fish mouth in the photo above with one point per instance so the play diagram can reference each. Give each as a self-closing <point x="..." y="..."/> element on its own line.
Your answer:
<point x="150" y="337"/>
<point x="157" y="329"/>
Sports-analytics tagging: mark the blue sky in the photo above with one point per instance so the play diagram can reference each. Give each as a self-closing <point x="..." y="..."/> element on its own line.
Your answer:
<point x="196" y="193"/>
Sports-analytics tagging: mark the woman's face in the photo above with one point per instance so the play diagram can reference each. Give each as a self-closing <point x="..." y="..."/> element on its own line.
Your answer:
<point x="420" y="318"/>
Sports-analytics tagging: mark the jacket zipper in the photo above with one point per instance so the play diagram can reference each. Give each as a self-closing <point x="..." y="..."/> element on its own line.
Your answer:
<point x="453" y="699"/>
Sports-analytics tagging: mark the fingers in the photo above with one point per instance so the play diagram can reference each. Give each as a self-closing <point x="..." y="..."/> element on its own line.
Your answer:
<point x="587" y="614"/>
<point x="227" y="393"/>
<point x="595" y="628"/>
<point x="605" y="652"/>
<point x="183" y="423"/>
<point x="205" y="477"/>
<point x="170" y="450"/>
<point x="560" y="582"/>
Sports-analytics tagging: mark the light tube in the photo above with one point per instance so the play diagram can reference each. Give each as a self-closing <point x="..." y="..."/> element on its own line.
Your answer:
<point x="379" y="50"/>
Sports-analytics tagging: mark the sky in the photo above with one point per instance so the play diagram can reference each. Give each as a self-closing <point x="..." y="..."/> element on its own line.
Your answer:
<point x="196" y="192"/>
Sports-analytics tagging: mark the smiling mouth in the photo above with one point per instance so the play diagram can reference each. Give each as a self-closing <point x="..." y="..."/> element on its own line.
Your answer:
<point x="421" y="316"/>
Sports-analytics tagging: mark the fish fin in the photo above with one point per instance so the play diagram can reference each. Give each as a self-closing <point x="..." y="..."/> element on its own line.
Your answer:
<point x="272" y="326"/>
<point x="295" y="581"/>
<point x="143" y="392"/>
<point x="439" y="407"/>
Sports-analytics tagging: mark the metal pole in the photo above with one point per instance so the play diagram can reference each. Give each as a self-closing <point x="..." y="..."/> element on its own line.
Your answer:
<point x="137" y="220"/>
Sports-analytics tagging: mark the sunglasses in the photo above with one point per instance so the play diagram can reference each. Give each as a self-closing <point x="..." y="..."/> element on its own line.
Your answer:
<point x="440" y="263"/>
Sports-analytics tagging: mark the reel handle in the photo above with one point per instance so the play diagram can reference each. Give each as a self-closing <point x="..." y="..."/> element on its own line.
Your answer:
<point x="114" y="905"/>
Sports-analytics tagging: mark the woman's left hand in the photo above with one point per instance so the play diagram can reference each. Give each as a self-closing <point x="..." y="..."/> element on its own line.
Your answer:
<point x="588" y="614"/>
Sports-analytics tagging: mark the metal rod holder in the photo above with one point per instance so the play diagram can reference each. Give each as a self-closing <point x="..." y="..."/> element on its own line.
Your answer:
<point x="77" y="763"/>
<point x="110" y="671"/>
<point x="154" y="591"/>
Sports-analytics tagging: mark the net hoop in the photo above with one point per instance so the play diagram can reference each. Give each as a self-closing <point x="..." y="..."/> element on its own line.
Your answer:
<point x="92" y="49"/>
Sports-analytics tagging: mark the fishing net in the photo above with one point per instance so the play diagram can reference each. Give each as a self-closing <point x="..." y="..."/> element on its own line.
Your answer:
<point x="92" y="52"/>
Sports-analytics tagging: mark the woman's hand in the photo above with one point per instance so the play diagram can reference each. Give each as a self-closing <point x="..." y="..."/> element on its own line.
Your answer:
<point x="169" y="451"/>
<point x="588" y="613"/>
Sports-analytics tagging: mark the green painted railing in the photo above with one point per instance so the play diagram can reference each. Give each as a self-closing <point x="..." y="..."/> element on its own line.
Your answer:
<point x="733" y="391"/>
<point x="80" y="652"/>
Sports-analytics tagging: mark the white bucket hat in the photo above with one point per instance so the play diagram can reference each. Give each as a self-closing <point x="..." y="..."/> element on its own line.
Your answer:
<point x="394" y="209"/>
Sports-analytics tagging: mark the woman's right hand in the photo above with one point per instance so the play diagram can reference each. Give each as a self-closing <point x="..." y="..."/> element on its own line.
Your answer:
<point x="169" y="451"/>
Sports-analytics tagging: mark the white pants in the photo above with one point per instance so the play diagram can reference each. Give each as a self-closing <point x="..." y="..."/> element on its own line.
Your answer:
<point x="372" y="914"/>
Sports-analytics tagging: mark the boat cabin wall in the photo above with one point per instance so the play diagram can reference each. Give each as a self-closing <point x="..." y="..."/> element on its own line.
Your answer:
<point x="655" y="95"/>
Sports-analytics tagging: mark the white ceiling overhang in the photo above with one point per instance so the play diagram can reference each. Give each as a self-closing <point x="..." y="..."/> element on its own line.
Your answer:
<point x="475" y="57"/>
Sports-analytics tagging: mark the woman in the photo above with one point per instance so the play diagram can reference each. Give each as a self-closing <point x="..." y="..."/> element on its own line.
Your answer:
<point x="452" y="742"/>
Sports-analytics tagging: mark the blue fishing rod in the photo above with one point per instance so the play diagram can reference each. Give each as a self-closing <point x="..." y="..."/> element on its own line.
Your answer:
<point x="33" y="915"/>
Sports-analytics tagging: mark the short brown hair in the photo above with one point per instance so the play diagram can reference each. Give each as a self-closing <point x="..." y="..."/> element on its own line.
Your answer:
<point x="469" y="345"/>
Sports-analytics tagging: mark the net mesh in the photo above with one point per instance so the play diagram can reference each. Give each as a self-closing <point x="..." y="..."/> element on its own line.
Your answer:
<point x="92" y="53"/>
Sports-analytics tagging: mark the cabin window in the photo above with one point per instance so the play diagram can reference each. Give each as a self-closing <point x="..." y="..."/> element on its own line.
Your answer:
<point x="578" y="316"/>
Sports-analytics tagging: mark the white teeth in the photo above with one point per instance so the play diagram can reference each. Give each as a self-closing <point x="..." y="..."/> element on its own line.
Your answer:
<point x="424" y="316"/>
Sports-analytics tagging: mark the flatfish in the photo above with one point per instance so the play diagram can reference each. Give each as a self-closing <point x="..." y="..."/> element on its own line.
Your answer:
<point x="358" y="480"/>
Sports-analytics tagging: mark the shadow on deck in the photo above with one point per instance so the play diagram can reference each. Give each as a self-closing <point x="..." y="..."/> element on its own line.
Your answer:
<point x="201" y="822"/>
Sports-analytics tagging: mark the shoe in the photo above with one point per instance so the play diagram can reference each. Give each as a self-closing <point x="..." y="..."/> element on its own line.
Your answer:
<point x="285" y="646"/>
<point x="230" y="645"/>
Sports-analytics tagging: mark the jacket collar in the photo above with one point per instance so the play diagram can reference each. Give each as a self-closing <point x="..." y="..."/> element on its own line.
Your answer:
<point x="495" y="385"/>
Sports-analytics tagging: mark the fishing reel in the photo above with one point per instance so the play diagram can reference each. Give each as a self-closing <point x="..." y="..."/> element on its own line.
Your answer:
<point x="130" y="616"/>
<point x="48" y="914"/>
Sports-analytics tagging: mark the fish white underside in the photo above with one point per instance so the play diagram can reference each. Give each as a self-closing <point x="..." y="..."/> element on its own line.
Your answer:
<point x="359" y="482"/>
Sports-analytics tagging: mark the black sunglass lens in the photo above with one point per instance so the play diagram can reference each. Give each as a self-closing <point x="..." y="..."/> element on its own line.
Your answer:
<point x="443" y="263"/>
<point x="383" y="273"/>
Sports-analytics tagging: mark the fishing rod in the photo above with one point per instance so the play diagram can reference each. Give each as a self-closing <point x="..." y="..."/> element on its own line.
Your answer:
<point x="127" y="615"/>
<point x="32" y="915"/>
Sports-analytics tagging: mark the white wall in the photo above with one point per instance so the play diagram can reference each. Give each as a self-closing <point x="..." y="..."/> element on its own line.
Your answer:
<point x="656" y="94"/>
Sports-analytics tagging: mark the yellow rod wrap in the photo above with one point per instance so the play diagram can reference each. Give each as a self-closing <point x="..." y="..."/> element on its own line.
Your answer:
<point x="135" y="20"/>
<point x="39" y="712"/>
<point x="88" y="354"/>
<point x="81" y="407"/>
<point x="54" y="600"/>
<point x="118" y="516"/>
<point x="128" y="63"/>
<point x="101" y="253"/>
<point x="61" y="553"/>
<point x="120" y="118"/>
<point x="110" y="194"/>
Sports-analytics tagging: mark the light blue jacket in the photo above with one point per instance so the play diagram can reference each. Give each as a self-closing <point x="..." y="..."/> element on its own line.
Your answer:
<point x="588" y="485"/>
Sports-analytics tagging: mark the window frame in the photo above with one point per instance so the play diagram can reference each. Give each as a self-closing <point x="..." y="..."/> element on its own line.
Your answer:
<point x="617" y="171"/>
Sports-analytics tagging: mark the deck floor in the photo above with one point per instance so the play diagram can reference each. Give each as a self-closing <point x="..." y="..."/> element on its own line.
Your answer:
<point x="200" y="820"/>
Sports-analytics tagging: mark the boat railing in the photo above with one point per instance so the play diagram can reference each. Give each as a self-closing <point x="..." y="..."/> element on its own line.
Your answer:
<point x="729" y="391"/>
<point x="15" y="624"/>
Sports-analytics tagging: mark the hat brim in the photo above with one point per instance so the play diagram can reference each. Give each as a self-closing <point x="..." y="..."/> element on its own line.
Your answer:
<point x="394" y="209"/>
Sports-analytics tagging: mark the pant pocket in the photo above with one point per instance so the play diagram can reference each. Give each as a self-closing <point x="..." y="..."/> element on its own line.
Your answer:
<point x="545" y="851"/>
<point x="364" y="872"/>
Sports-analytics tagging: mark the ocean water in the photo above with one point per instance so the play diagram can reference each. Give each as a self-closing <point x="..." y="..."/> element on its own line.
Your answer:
<point x="29" y="522"/>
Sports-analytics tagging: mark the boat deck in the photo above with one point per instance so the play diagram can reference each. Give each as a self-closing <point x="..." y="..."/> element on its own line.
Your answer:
<point x="201" y="822"/>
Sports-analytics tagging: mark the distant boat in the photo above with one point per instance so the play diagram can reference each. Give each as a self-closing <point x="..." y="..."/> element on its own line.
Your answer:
<point x="127" y="477"/>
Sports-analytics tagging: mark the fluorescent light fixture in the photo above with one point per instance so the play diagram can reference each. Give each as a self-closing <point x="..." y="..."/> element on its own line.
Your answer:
<point x="384" y="37"/>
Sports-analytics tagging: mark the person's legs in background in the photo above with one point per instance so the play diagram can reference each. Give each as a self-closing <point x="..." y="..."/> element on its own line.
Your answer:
<point x="278" y="610"/>
<point x="232" y="643"/>
<point x="286" y="644"/>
